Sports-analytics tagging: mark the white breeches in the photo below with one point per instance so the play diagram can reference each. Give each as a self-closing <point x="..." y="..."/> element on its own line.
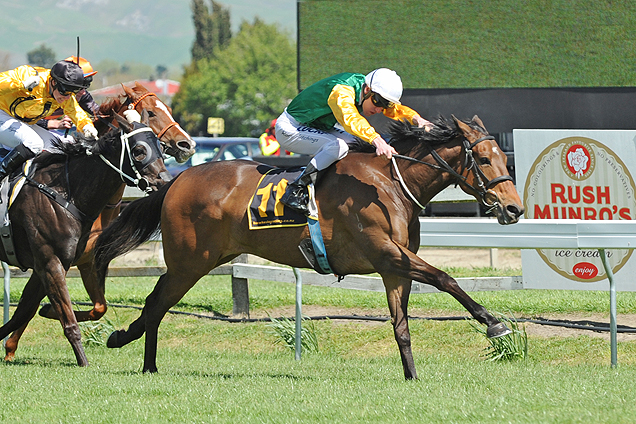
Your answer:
<point x="327" y="146"/>
<point x="33" y="137"/>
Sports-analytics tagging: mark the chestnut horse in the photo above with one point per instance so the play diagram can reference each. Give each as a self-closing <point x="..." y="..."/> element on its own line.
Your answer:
<point x="175" y="142"/>
<point x="53" y="214"/>
<point x="368" y="209"/>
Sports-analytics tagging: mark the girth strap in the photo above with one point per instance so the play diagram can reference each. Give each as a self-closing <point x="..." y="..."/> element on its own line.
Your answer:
<point x="58" y="198"/>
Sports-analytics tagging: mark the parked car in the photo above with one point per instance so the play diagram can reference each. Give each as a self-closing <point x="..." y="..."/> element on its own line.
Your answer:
<point x="210" y="149"/>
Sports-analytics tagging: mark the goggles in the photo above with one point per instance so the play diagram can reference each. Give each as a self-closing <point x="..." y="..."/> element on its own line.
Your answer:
<point x="379" y="101"/>
<point x="66" y="91"/>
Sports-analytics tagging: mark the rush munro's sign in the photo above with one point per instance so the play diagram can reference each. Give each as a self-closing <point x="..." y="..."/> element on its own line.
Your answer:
<point x="575" y="175"/>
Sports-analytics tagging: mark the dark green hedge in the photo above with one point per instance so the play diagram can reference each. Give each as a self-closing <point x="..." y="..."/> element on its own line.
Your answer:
<point x="472" y="44"/>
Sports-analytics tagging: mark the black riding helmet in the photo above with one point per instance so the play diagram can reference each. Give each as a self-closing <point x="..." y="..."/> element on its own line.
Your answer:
<point x="68" y="76"/>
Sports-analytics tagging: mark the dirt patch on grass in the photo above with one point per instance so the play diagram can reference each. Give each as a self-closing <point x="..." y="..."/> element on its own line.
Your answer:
<point x="368" y="316"/>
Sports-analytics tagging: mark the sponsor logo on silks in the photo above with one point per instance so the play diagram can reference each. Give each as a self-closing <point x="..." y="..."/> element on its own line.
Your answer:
<point x="580" y="178"/>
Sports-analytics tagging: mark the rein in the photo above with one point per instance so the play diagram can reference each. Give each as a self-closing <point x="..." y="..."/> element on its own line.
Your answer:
<point x="482" y="189"/>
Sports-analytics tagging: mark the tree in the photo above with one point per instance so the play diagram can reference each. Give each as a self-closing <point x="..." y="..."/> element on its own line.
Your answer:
<point x="212" y="29"/>
<point x="42" y="56"/>
<point x="248" y="83"/>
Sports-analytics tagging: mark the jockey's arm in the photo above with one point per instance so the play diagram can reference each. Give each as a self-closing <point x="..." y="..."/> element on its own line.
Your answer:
<point x="79" y="117"/>
<point x="343" y="105"/>
<point x="398" y="112"/>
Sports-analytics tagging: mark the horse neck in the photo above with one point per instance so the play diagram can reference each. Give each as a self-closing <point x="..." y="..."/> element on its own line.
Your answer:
<point x="425" y="181"/>
<point x="107" y="116"/>
<point x="91" y="183"/>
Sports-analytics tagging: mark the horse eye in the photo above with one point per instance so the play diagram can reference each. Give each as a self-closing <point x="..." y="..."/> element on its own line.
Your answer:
<point x="484" y="161"/>
<point x="139" y="153"/>
<point x="151" y="114"/>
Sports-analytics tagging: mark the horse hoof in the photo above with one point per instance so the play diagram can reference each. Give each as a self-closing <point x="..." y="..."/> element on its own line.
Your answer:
<point x="113" y="339"/>
<point x="497" y="330"/>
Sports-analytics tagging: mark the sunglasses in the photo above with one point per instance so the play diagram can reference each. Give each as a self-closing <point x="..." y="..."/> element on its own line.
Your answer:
<point x="66" y="91"/>
<point x="379" y="101"/>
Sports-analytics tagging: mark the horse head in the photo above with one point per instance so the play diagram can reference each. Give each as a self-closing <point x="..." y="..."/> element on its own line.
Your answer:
<point x="175" y="140"/>
<point x="485" y="172"/>
<point x="144" y="168"/>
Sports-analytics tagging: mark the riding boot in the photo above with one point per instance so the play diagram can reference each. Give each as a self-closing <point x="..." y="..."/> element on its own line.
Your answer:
<point x="14" y="159"/>
<point x="297" y="196"/>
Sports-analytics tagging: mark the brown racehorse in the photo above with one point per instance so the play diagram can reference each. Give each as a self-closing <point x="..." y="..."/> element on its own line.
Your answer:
<point x="175" y="141"/>
<point x="51" y="217"/>
<point x="369" y="222"/>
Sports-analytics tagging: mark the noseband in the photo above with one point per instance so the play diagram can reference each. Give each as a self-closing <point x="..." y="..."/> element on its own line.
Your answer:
<point x="482" y="190"/>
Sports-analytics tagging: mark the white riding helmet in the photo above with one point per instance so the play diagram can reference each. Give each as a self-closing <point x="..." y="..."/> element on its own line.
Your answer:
<point x="386" y="83"/>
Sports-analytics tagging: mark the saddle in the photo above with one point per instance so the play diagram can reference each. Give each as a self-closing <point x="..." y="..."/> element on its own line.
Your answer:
<point x="9" y="189"/>
<point x="266" y="211"/>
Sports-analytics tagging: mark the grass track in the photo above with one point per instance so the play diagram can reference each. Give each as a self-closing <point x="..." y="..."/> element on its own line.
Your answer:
<point x="212" y="371"/>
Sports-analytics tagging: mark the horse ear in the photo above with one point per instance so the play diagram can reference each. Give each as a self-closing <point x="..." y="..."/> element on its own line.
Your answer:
<point x="462" y="125"/>
<point x="145" y="117"/>
<point x="123" y="123"/>
<point x="129" y="92"/>
<point x="478" y="122"/>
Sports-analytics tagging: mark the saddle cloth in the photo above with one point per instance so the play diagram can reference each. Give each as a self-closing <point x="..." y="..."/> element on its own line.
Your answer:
<point x="266" y="211"/>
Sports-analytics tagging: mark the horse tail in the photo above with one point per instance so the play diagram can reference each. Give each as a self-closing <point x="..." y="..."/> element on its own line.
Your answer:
<point x="138" y="222"/>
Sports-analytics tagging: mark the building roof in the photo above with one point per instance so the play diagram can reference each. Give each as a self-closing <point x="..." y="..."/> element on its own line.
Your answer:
<point x="162" y="87"/>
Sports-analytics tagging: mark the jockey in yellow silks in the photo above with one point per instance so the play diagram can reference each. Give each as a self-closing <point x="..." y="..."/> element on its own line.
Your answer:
<point x="28" y="94"/>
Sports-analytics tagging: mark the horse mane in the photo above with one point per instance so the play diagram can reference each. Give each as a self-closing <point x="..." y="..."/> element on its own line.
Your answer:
<point x="406" y="137"/>
<point x="82" y="146"/>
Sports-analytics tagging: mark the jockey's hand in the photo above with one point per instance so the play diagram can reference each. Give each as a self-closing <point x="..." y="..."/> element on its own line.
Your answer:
<point x="90" y="131"/>
<point x="31" y="82"/>
<point x="421" y="122"/>
<point x="382" y="148"/>
<point x="61" y="124"/>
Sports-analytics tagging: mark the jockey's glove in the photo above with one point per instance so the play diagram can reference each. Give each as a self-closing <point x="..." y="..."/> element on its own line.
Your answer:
<point x="90" y="131"/>
<point x="132" y="115"/>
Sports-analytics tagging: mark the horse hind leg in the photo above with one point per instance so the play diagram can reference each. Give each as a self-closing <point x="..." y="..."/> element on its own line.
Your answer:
<point x="32" y="295"/>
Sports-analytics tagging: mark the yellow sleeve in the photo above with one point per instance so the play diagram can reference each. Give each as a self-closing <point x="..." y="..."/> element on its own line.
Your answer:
<point x="398" y="112"/>
<point x="12" y="80"/>
<point x="76" y="113"/>
<point x="343" y="105"/>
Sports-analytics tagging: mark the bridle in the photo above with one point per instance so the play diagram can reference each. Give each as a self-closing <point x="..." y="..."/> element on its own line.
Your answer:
<point x="483" y="188"/>
<point x="136" y="180"/>
<point x="133" y="105"/>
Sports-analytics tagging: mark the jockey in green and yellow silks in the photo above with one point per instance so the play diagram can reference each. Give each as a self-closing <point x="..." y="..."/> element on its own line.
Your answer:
<point x="330" y="113"/>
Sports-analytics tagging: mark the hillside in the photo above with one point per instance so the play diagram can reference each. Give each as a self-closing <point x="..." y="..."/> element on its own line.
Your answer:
<point x="152" y="32"/>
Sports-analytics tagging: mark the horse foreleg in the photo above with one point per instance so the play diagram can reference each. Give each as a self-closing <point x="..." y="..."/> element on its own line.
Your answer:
<point x="54" y="281"/>
<point x="406" y="264"/>
<point x="32" y="295"/>
<point x="397" y="294"/>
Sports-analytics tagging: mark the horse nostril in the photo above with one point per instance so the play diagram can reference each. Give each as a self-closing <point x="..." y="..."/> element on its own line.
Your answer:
<point x="185" y="144"/>
<point x="514" y="210"/>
